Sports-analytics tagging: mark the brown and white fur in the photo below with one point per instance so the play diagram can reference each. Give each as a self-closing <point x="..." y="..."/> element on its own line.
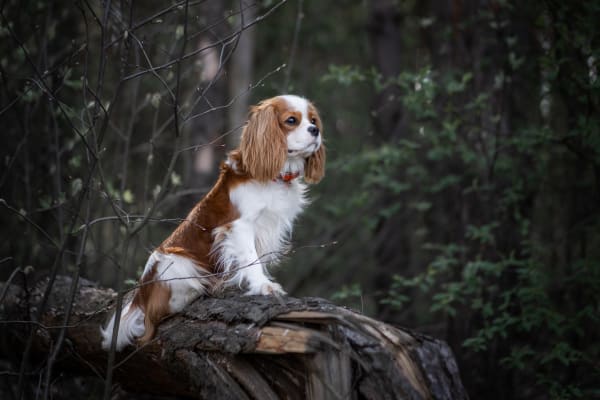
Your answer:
<point x="243" y="224"/>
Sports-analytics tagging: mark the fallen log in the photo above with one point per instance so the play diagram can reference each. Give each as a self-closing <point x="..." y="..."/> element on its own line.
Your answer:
<point x="243" y="347"/>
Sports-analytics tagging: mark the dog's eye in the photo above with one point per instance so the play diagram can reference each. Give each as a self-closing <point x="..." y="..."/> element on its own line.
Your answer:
<point x="313" y="121"/>
<point x="291" y="120"/>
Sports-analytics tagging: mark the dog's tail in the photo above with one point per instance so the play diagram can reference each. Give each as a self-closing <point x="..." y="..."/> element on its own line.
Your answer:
<point x="141" y="314"/>
<point x="131" y="326"/>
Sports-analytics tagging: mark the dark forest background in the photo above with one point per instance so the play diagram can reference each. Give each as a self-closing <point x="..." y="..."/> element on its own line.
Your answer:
<point x="462" y="193"/>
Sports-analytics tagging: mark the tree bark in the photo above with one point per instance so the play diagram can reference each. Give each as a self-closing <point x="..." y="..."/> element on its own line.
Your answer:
<point x="243" y="347"/>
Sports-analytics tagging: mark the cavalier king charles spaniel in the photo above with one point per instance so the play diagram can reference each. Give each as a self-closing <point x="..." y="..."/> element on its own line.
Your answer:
<point x="242" y="225"/>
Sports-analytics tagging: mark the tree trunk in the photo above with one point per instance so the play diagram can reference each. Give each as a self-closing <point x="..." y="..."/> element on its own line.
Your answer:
<point x="241" y="75"/>
<point x="243" y="347"/>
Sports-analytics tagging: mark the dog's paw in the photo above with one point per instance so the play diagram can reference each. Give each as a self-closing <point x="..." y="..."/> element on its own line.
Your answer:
<point x="266" y="289"/>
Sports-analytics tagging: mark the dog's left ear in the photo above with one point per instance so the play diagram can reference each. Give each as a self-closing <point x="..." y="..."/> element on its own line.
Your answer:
<point x="315" y="166"/>
<point x="263" y="145"/>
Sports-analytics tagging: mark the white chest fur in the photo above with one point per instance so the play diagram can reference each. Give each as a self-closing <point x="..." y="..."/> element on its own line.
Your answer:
<point x="284" y="199"/>
<point x="271" y="209"/>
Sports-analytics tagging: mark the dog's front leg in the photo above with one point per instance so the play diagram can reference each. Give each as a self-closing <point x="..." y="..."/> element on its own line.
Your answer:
<point x="238" y="255"/>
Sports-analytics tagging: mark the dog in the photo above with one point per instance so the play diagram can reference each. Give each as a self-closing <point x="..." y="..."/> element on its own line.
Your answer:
<point x="242" y="225"/>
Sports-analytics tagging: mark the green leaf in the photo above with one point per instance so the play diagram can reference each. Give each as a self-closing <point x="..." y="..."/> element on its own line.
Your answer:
<point x="128" y="196"/>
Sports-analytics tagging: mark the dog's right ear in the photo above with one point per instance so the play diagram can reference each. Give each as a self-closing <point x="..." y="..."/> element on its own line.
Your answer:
<point x="263" y="145"/>
<point x="315" y="166"/>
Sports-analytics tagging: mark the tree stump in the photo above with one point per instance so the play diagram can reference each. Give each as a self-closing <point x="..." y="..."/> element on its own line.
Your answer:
<point x="242" y="347"/>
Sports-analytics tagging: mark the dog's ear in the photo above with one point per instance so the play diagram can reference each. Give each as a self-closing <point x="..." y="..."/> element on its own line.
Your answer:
<point x="315" y="166"/>
<point x="263" y="145"/>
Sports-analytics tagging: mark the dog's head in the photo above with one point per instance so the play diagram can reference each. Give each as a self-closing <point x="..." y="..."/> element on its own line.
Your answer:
<point x="280" y="129"/>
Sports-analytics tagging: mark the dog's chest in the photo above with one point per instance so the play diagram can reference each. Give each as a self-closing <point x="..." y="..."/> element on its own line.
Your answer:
<point x="271" y="209"/>
<point x="274" y="200"/>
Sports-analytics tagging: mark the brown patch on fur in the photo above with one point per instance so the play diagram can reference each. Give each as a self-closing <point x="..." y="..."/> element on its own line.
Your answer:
<point x="193" y="238"/>
<point x="315" y="164"/>
<point x="263" y="145"/>
<point x="153" y="298"/>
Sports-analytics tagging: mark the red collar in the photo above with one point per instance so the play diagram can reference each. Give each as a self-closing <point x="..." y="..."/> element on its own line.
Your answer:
<point x="288" y="177"/>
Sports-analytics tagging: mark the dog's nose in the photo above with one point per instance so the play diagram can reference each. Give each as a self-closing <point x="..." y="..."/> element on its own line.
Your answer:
<point x="313" y="130"/>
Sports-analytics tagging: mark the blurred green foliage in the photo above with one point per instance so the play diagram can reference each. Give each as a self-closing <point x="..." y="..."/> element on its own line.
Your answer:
<point x="498" y="274"/>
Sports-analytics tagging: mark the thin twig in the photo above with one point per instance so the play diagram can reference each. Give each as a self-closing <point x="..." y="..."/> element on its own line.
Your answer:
<point x="8" y="282"/>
